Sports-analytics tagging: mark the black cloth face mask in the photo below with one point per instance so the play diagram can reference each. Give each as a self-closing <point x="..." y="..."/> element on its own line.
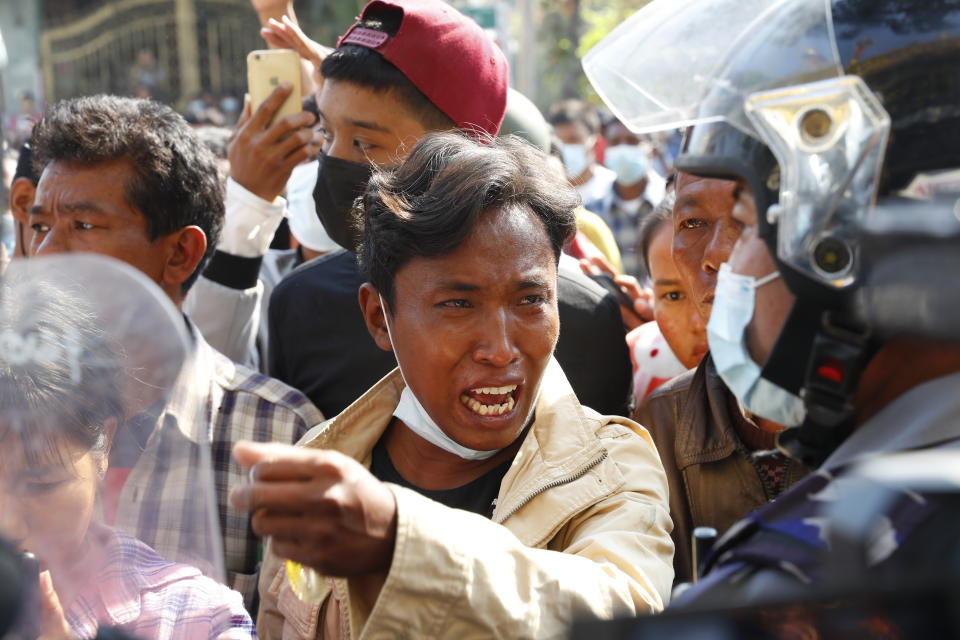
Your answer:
<point x="339" y="183"/>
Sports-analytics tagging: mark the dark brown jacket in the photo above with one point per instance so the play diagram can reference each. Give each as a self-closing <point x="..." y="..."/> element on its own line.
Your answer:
<point x="713" y="482"/>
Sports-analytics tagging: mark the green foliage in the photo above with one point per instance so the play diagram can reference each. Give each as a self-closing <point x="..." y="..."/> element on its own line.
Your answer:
<point x="567" y="30"/>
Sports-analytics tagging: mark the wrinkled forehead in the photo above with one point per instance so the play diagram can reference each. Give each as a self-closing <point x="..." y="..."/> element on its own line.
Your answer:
<point x="98" y="187"/>
<point x="710" y="193"/>
<point x="507" y="246"/>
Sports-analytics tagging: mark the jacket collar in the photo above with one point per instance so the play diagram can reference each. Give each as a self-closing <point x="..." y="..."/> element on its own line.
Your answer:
<point x="199" y="387"/>
<point x="705" y="430"/>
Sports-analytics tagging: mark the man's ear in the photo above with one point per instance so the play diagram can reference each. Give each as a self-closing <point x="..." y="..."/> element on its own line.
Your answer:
<point x="187" y="246"/>
<point x="22" y="192"/>
<point x="373" y="312"/>
<point x="22" y="195"/>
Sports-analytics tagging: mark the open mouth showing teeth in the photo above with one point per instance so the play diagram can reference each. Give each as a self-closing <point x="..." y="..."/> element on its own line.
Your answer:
<point x="490" y="401"/>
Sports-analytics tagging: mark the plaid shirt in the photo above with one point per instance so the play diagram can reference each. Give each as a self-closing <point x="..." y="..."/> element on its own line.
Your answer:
<point x="139" y="591"/>
<point x="162" y="501"/>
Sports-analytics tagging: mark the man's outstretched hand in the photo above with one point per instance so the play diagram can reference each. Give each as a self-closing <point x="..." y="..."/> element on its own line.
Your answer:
<point x="320" y="507"/>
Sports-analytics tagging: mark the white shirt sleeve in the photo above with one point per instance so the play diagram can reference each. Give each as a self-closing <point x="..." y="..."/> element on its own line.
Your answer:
<point x="250" y="222"/>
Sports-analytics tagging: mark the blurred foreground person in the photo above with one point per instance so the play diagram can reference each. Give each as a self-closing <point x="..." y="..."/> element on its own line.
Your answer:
<point x="128" y="179"/>
<point x="468" y="492"/>
<point x="831" y="316"/>
<point x="88" y="342"/>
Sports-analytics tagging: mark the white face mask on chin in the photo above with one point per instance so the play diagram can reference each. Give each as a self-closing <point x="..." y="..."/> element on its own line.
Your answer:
<point x="413" y="414"/>
<point x="732" y="311"/>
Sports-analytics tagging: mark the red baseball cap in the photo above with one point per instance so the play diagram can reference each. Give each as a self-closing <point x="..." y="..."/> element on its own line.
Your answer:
<point x="446" y="55"/>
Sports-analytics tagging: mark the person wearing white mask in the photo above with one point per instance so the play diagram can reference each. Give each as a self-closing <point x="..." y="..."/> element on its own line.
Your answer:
<point x="577" y="125"/>
<point x="309" y="240"/>
<point x="468" y="493"/>
<point x="635" y="191"/>
<point x="231" y="301"/>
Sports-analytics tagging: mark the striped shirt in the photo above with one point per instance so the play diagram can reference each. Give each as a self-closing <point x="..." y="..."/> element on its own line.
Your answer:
<point x="162" y="498"/>
<point x="137" y="590"/>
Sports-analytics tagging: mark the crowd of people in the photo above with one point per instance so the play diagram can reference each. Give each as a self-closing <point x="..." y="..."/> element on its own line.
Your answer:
<point x="420" y="361"/>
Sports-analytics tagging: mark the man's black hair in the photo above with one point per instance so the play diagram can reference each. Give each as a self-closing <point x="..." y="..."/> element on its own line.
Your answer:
<point x="573" y="111"/>
<point x="25" y="165"/>
<point x="428" y="206"/>
<point x="367" y="68"/>
<point x="175" y="183"/>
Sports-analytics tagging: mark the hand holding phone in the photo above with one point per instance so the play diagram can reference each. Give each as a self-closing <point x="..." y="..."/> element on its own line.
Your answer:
<point x="274" y="134"/>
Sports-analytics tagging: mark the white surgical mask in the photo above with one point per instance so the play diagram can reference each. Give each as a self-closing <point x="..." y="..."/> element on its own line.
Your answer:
<point x="732" y="310"/>
<point x="575" y="159"/>
<point x="413" y="414"/>
<point x="302" y="215"/>
<point x="629" y="161"/>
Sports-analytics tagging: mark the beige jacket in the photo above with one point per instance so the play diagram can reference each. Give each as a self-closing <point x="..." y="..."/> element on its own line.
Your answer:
<point x="581" y="528"/>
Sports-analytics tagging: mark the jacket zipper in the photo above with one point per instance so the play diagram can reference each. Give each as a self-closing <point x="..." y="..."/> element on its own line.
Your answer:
<point x="576" y="475"/>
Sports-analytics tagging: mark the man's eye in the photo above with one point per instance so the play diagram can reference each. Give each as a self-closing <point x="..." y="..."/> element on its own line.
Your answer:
<point x="363" y="146"/>
<point x="39" y="227"/>
<point x="673" y="296"/>
<point x="84" y="226"/>
<point x="533" y="299"/>
<point x="458" y="303"/>
<point x="693" y="223"/>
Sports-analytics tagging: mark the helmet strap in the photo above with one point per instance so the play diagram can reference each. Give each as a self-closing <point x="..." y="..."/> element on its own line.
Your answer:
<point x="841" y="349"/>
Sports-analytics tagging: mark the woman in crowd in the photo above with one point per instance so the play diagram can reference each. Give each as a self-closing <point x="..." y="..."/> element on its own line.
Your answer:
<point x="677" y="340"/>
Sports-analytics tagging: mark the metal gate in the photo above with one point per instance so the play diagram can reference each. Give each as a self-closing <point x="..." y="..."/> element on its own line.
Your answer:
<point x="194" y="46"/>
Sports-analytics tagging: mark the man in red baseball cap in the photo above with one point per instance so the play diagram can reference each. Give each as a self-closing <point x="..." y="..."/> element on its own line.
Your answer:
<point x="403" y="69"/>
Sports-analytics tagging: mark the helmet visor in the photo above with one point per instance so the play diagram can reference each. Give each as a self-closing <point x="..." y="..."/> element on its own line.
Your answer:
<point x="675" y="64"/>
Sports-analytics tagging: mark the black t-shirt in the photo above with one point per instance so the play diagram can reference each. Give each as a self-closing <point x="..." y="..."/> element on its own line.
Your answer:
<point x="478" y="496"/>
